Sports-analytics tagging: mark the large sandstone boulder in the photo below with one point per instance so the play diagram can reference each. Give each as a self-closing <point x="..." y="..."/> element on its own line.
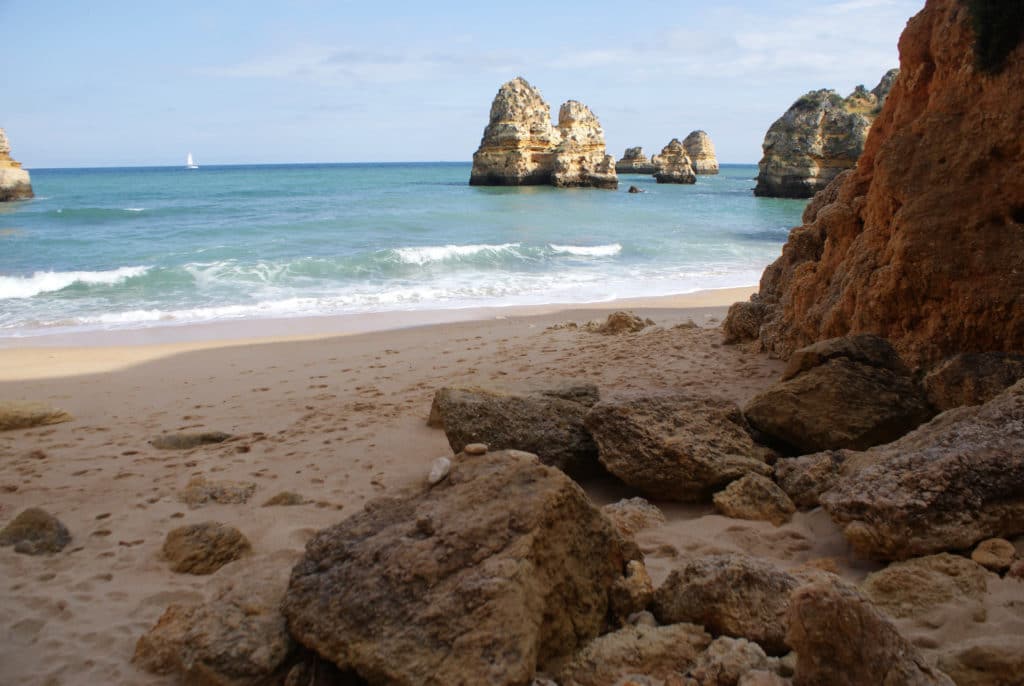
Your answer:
<point x="634" y="161"/>
<point x="521" y="146"/>
<point x="35" y="532"/>
<point x="674" y="446"/>
<point x="237" y="638"/>
<point x="819" y="136"/>
<point x="701" y="152"/>
<point x="580" y="159"/>
<point x="953" y="482"/>
<point x="841" y="639"/>
<point x="731" y="595"/>
<point x="755" y="497"/>
<point x="840" y="393"/>
<point x="655" y="652"/>
<point x="972" y="379"/>
<point x="896" y="253"/>
<point x="673" y="165"/>
<point x="502" y="568"/>
<point x="548" y="424"/>
<point x="15" y="183"/>
<point x="915" y="587"/>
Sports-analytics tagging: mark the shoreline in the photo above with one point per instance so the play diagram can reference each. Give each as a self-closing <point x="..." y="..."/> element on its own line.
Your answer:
<point x="91" y="352"/>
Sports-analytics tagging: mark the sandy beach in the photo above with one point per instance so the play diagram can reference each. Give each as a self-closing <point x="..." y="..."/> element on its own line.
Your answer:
<point x="337" y="419"/>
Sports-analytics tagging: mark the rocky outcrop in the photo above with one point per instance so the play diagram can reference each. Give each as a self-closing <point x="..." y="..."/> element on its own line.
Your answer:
<point x="947" y="485"/>
<point x="634" y="161"/>
<point x="819" y="136"/>
<point x="548" y="423"/>
<point x="731" y="595"/>
<point x="502" y="568"/>
<point x="521" y="147"/>
<point x="841" y="639"/>
<point x="755" y="497"/>
<point x="204" y="548"/>
<point x="972" y="379"/>
<point x="675" y="446"/>
<point x="673" y="165"/>
<point x="842" y="393"/>
<point x="15" y="183"/>
<point x="701" y="152"/>
<point x="35" y="532"/>
<point x="897" y="253"/>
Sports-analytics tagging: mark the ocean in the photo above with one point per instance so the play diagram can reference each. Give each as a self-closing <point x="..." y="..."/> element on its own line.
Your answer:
<point x="143" y="247"/>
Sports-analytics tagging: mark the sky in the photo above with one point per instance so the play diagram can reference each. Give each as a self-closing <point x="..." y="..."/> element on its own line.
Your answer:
<point x="142" y="83"/>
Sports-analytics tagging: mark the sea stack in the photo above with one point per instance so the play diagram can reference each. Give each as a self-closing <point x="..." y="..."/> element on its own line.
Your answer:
<point x="634" y="161"/>
<point x="14" y="181"/>
<point x="521" y="147"/>
<point x="923" y="242"/>
<point x="701" y="151"/>
<point x="819" y="136"/>
<point x="673" y="164"/>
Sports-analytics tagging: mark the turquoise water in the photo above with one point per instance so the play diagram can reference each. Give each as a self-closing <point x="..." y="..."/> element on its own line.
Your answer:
<point x="126" y="248"/>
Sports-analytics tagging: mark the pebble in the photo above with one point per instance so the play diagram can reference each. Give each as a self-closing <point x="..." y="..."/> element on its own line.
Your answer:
<point x="475" y="449"/>
<point x="439" y="470"/>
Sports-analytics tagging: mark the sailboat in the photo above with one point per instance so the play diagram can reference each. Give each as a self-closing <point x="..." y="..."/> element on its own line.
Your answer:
<point x="190" y="163"/>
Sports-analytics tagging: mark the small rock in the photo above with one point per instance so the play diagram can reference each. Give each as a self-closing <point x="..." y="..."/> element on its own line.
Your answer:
<point x="760" y="677"/>
<point x="633" y="593"/>
<point x="34" y="532"/>
<point x="996" y="554"/>
<point x="475" y="449"/>
<point x="184" y="441"/>
<point x="24" y="415"/>
<point x="204" y="548"/>
<point x="643" y="618"/>
<point x="285" y="499"/>
<point x="1016" y="570"/>
<point x="755" y="497"/>
<point x="631" y="515"/>
<point x="805" y="478"/>
<point x="727" y="659"/>
<point x="914" y="587"/>
<point x="200" y="492"/>
<point x="985" y="661"/>
<point x="439" y="469"/>
<point x="622" y="322"/>
<point x="660" y="653"/>
<point x="634" y="189"/>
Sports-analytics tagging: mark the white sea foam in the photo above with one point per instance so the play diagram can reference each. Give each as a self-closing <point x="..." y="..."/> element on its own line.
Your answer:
<point x="439" y="253"/>
<point x="589" y="251"/>
<point x="50" y="282"/>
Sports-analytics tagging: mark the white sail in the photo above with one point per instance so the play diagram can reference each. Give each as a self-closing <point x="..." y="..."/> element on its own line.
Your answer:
<point x="189" y="163"/>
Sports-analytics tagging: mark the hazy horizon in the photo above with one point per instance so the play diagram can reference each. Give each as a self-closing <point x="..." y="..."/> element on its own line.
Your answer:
<point x="321" y="82"/>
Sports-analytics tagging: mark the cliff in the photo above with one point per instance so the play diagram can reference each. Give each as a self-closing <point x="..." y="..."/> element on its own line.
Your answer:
<point x="15" y="183"/>
<point x="701" y="152"/>
<point x="819" y="136"/>
<point x="673" y="165"/>
<point x="923" y="243"/>
<point x="521" y="147"/>
<point x="634" y="161"/>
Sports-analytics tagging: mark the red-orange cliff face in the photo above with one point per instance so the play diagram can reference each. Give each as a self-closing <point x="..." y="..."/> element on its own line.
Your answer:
<point x="923" y="243"/>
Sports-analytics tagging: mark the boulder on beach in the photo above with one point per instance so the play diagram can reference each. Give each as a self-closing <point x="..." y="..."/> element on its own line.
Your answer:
<point x="547" y="423"/>
<point x="200" y="491"/>
<point x="915" y="587"/>
<point x="186" y="440"/>
<point x="204" y="548"/>
<point x="805" y="478"/>
<point x="972" y="379"/>
<point x="674" y="446"/>
<point x="842" y="393"/>
<point x="631" y="515"/>
<point x="35" y="532"/>
<point x="947" y="485"/>
<point x="755" y="497"/>
<point x="25" y="415"/>
<point x="502" y="569"/>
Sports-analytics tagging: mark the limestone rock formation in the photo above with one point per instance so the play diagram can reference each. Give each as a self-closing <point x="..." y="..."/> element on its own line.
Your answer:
<point x="35" y="532"/>
<point x="731" y="595"/>
<point x="819" y="136"/>
<point x="701" y="152"/>
<point x="548" y="424"/>
<point x="580" y="159"/>
<point x="841" y="639"/>
<point x="898" y="253"/>
<point x="947" y="485"/>
<point x="634" y="161"/>
<point x="521" y="146"/>
<point x="755" y="497"/>
<point x="503" y="568"/>
<point x="915" y="587"/>
<point x="673" y="165"/>
<point x="842" y="393"/>
<point x="655" y="652"/>
<point x="204" y="548"/>
<point x="972" y="379"/>
<point x="237" y="638"/>
<point x="674" y="446"/>
<point x="15" y="183"/>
